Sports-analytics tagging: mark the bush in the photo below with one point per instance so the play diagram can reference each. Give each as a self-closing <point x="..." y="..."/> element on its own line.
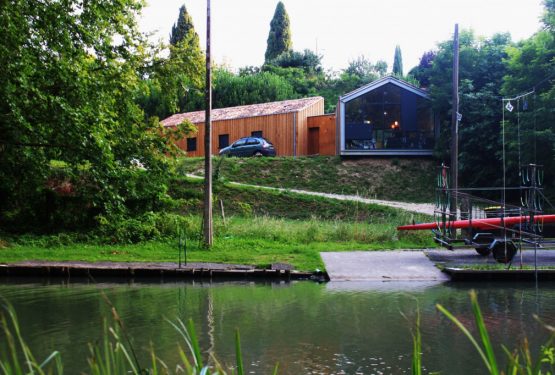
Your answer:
<point x="147" y="227"/>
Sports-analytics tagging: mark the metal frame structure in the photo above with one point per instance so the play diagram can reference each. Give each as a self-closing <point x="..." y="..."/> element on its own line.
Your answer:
<point x="502" y="240"/>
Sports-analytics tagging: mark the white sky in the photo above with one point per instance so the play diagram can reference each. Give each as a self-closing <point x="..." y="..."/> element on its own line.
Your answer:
<point x="341" y="30"/>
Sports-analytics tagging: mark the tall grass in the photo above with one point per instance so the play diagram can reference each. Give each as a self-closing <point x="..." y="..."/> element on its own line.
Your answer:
<point x="317" y="230"/>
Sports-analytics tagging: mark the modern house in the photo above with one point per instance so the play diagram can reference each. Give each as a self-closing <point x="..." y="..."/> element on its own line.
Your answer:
<point x="386" y="117"/>
<point x="285" y="124"/>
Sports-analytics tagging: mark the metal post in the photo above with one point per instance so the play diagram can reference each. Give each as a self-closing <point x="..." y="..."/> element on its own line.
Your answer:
<point x="207" y="219"/>
<point x="455" y="125"/>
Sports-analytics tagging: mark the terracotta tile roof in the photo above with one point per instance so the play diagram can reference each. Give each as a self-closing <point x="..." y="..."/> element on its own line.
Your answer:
<point x="252" y="110"/>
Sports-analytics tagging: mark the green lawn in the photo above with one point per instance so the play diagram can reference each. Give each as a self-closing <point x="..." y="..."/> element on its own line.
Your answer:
<point x="258" y="241"/>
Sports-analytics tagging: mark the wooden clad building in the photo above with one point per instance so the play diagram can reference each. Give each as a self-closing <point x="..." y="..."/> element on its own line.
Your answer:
<point x="321" y="135"/>
<point x="284" y="123"/>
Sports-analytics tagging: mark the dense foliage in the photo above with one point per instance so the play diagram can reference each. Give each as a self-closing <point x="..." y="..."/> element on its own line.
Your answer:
<point x="74" y="145"/>
<point x="174" y="82"/>
<point x="279" y="38"/>
<point x="491" y="69"/>
<point x="481" y="72"/>
<point x="530" y="131"/>
<point x="81" y="91"/>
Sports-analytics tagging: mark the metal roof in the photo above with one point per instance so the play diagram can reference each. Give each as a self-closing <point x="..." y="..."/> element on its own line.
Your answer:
<point x="244" y="111"/>
<point x="381" y="82"/>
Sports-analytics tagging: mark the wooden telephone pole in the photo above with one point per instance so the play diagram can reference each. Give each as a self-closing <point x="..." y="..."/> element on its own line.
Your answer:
<point x="455" y="126"/>
<point x="207" y="218"/>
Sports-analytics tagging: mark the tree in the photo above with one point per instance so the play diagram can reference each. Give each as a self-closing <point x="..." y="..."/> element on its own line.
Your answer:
<point x="365" y="70"/>
<point x="531" y="67"/>
<point x="279" y="38"/>
<point x="307" y="60"/>
<point x="232" y="90"/>
<point x="184" y="29"/>
<point x="175" y="82"/>
<point x="422" y="72"/>
<point x="481" y="72"/>
<point x="74" y="145"/>
<point x="398" y="62"/>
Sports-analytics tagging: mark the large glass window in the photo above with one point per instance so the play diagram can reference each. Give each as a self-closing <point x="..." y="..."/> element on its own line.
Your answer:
<point x="388" y="117"/>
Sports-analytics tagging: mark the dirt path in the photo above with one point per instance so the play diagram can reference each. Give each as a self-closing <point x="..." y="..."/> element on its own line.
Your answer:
<point x="421" y="208"/>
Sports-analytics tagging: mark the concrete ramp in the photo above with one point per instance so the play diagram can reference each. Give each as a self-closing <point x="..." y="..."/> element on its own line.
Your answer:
<point x="396" y="265"/>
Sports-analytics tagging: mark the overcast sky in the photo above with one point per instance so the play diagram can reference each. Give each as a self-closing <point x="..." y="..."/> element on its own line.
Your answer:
<point x="341" y="30"/>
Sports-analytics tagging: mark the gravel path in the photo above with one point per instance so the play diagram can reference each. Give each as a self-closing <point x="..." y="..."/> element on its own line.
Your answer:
<point x="421" y="208"/>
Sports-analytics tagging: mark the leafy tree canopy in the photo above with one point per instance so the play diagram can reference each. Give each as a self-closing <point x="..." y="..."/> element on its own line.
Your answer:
<point x="481" y="71"/>
<point x="307" y="60"/>
<point x="74" y="145"/>
<point x="531" y="67"/>
<point x="175" y="82"/>
<point x="232" y="90"/>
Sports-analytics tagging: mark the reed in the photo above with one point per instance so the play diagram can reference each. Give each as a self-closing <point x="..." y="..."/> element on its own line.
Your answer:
<point x="519" y="360"/>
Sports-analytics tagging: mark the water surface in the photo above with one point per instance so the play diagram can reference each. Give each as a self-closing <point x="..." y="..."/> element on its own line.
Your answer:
<point x="309" y="328"/>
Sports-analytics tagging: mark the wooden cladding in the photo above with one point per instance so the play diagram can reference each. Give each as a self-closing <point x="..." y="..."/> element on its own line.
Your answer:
<point x="321" y="134"/>
<point x="287" y="131"/>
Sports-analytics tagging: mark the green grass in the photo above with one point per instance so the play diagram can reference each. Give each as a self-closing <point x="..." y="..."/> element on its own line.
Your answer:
<point x="258" y="241"/>
<point x="410" y="180"/>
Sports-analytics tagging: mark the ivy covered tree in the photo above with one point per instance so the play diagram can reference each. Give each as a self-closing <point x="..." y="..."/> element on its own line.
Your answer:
<point x="74" y="145"/>
<point x="279" y="38"/>
<point x="398" y="62"/>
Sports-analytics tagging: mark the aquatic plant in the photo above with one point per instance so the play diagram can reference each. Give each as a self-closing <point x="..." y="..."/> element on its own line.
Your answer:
<point x="114" y="355"/>
<point x="520" y="361"/>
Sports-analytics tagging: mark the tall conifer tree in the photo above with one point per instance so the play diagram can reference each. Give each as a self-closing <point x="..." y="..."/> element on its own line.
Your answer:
<point x="398" y="62"/>
<point x="279" y="38"/>
<point x="182" y="28"/>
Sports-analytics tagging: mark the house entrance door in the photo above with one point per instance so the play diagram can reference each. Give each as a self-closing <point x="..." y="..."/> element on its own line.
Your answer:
<point x="313" y="141"/>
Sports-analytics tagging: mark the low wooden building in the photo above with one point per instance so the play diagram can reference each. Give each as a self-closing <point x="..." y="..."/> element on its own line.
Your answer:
<point x="286" y="124"/>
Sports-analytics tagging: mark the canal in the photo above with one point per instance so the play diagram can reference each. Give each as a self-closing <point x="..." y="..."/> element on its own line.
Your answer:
<point x="309" y="328"/>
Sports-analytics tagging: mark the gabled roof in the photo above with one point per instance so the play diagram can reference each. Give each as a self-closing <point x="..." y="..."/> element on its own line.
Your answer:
<point x="380" y="82"/>
<point x="252" y="110"/>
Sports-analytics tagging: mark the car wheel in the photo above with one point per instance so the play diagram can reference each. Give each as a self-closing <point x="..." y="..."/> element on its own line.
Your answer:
<point x="258" y="153"/>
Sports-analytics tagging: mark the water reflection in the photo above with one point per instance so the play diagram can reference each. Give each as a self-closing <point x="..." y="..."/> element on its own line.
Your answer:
<point x="333" y="328"/>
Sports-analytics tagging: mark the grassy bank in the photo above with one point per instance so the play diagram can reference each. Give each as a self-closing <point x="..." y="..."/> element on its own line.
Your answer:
<point x="261" y="227"/>
<point x="410" y="180"/>
<point x="256" y="240"/>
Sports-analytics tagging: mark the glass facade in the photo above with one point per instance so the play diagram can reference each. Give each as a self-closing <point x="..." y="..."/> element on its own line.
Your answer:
<point x="389" y="118"/>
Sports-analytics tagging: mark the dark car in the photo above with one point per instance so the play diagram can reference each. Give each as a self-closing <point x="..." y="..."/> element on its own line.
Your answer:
<point x="249" y="146"/>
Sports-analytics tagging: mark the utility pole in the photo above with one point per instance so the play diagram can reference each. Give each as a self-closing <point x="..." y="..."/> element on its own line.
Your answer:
<point x="455" y="126"/>
<point x="207" y="219"/>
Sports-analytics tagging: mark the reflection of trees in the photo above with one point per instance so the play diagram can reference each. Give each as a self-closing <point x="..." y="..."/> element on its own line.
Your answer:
<point x="302" y="325"/>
